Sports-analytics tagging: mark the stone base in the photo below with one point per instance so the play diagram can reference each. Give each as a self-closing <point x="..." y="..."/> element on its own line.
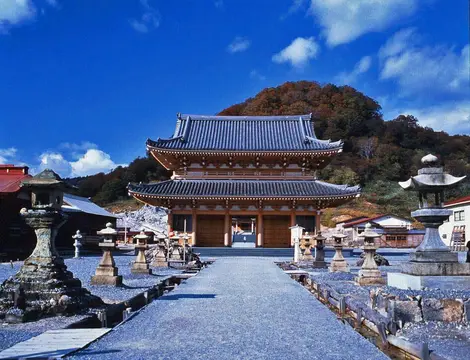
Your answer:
<point x="106" y="280"/>
<point x="434" y="256"/>
<point x="339" y="266"/>
<point x="436" y="268"/>
<point x="160" y="263"/>
<point x="406" y="281"/>
<point x="141" y="268"/>
<point x="363" y="280"/>
<point x="319" y="264"/>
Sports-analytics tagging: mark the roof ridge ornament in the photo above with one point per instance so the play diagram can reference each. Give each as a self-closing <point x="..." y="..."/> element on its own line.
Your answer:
<point x="185" y="129"/>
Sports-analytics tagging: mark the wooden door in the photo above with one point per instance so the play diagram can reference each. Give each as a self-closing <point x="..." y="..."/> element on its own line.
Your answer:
<point x="210" y="231"/>
<point x="276" y="233"/>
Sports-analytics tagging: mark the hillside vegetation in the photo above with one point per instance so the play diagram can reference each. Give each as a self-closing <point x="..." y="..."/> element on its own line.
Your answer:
<point x="376" y="154"/>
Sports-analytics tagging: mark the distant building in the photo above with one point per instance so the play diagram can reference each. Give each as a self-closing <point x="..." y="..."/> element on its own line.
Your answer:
<point x="395" y="231"/>
<point x="454" y="232"/>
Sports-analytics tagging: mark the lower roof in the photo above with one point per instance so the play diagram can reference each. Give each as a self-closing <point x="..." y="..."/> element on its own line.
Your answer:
<point x="243" y="189"/>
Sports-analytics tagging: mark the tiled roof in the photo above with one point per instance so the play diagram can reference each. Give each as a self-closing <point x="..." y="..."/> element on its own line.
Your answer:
<point x="11" y="177"/>
<point x="245" y="133"/>
<point x="462" y="200"/>
<point x="73" y="203"/>
<point x="243" y="189"/>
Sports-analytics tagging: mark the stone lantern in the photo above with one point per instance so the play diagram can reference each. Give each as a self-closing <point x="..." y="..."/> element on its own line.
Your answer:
<point x="141" y="265"/>
<point x="369" y="273"/>
<point x="160" y="259"/>
<point x="43" y="286"/>
<point x="319" y="261"/>
<point x="77" y="244"/>
<point x="107" y="272"/>
<point x="432" y="257"/>
<point x="296" y="232"/>
<point x="338" y="263"/>
<point x="307" y="255"/>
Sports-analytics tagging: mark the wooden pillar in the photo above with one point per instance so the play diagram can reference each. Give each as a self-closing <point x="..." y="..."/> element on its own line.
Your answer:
<point x="318" y="222"/>
<point x="170" y="222"/>
<point x="227" y="232"/>
<point x="260" y="230"/>
<point x="194" y="225"/>
<point x="293" y="222"/>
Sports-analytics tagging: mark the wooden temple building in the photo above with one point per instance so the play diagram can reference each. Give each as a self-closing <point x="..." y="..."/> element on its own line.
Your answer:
<point x="252" y="167"/>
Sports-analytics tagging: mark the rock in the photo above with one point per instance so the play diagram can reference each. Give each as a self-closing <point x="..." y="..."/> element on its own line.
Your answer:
<point x="405" y="311"/>
<point x="379" y="260"/>
<point x="447" y="310"/>
<point x="65" y="300"/>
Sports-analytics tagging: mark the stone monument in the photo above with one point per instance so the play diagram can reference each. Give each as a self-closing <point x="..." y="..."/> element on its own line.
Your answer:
<point x="77" y="244"/>
<point x="319" y="260"/>
<point x="307" y="255"/>
<point x="369" y="273"/>
<point x="43" y="286"/>
<point x="296" y="233"/>
<point x="338" y="263"/>
<point x="107" y="272"/>
<point x="141" y="265"/>
<point x="432" y="257"/>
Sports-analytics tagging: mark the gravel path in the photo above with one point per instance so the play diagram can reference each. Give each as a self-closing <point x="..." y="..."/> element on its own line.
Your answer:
<point x="238" y="308"/>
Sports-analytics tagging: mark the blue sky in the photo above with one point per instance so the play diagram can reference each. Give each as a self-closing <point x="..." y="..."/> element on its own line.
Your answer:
<point x="85" y="82"/>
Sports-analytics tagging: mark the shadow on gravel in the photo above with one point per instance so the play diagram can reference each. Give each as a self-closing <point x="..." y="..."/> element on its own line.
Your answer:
<point x="86" y="352"/>
<point x="187" y="296"/>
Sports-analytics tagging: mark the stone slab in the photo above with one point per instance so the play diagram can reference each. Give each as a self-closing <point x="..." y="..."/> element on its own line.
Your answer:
<point x="106" y="280"/>
<point x="53" y="344"/>
<point x="406" y="281"/>
<point x="436" y="268"/>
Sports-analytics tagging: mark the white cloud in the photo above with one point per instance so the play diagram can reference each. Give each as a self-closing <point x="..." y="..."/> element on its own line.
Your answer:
<point x="7" y="155"/>
<point x="345" y="20"/>
<point x="54" y="161"/>
<point x="299" y="52"/>
<point x="84" y="145"/>
<point x="92" y="162"/>
<point x="150" y="19"/>
<point x="432" y="69"/>
<point x="254" y="74"/>
<point x="13" y="12"/>
<point x="239" y="44"/>
<point x="361" y="67"/>
<point x="453" y="117"/>
<point x="296" y="6"/>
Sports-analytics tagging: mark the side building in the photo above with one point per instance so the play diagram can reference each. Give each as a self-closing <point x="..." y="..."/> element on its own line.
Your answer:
<point x="454" y="232"/>
<point x="259" y="170"/>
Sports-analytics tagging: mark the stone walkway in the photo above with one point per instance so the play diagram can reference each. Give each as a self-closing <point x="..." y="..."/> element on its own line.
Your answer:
<point x="238" y="308"/>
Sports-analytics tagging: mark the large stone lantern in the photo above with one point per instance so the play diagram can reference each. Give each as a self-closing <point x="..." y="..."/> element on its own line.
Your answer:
<point x="369" y="273"/>
<point x="43" y="286"/>
<point x="338" y="263"/>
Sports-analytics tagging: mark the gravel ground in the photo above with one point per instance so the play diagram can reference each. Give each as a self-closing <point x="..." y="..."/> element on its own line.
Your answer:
<point x="238" y="308"/>
<point x="448" y="340"/>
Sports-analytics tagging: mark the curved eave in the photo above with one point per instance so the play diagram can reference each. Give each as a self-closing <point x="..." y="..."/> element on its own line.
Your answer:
<point x="419" y="182"/>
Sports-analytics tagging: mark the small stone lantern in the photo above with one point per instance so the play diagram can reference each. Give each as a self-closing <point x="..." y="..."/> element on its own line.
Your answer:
<point x="369" y="273"/>
<point x="107" y="271"/>
<point x="141" y="265"/>
<point x="319" y="261"/>
<point x="175" y="249"/>
<point x="77" y="244"/>
<point x="307" y="255"/>
<point x="160" y="259"/>
<point x="296" y="232"/>
<point x="338" y="263"/>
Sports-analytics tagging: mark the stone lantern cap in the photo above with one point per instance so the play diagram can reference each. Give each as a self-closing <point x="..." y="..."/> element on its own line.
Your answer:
<point x="431" y="178"/>
<point x="108" y="230"/>
<point x="46" y="178"/>
<point x="297" y="230"/>
<point x="319" y="237"/>
<point x="339" y="236"/>
<point x="141" y="235"/>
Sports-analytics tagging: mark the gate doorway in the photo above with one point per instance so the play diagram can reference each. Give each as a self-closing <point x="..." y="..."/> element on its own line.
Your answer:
<point x="244" y="231"/>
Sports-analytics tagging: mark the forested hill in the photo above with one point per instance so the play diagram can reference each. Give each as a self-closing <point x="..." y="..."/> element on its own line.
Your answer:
<point x="377" y="153"/>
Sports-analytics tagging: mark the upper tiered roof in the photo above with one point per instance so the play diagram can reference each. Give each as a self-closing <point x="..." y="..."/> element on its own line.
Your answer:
<point x="245" y="133"/>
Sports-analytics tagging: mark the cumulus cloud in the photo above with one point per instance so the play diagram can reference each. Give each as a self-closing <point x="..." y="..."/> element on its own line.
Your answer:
<point x="452" y="117"/>
<point x="84" y="145"/>
<point x="54" y="161"/>
<point x="434" y="69"/>
<point x="239" y="44"/>
<point x="92" y="162"/>
<point x="361" y="67"/>
<point x="149" y="20"/>
<point x="14" y="12"/>
<point x="7" y="155"/>
<point x="298" y="53"/>
<point x="344" y="20"/>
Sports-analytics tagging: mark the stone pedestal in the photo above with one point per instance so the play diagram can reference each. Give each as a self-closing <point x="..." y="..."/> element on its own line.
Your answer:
<point x="160" y="258"/>
<point x="107" y="272"/>
<point x="413" y="282"/>
<point x="369" y="273"/>
<point x="43" y="286"/>
<point x="338" y="263"/>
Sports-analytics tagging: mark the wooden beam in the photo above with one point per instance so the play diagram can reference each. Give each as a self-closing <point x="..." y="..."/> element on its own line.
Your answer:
<point x="260" y="230"/>
<point x="194" y="225"/>
<point x="227" y="232"/>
